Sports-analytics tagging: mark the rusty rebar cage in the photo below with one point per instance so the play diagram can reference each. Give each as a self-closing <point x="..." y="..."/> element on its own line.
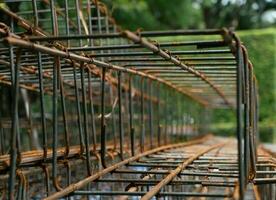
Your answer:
<point x="89" y="109"/>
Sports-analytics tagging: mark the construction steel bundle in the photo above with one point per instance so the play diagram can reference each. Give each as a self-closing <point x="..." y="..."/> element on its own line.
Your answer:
<point x="89" y="109"/>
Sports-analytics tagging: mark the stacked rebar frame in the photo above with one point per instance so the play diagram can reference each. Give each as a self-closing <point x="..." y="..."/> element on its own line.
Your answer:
<point x="91" y="110"/>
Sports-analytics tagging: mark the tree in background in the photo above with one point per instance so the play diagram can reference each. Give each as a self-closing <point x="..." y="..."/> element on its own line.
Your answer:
<point x="242" y="14"/>
<point x="177" y="14"/>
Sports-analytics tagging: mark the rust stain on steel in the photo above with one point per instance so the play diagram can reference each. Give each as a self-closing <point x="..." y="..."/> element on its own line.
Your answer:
<point x="26" y="25"/>
<point x="76" y="57"/>
<point x="154" y="191"/>
<point x="80" y="184"/>
<point x="174" y="60"/>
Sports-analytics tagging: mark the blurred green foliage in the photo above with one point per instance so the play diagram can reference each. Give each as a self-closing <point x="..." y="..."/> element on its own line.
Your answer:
<point x="177" y="14"/>
<point x="262" y="52"/>
<point x="154" y="14"/>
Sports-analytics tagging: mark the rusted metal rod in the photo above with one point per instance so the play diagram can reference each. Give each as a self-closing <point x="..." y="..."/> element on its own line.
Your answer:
<point x="153" y="191"/>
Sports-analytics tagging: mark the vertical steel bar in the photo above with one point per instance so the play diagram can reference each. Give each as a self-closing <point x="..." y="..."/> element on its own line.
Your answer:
<point x="178" y="116"/>
<point x="246" y="117"/>
<point x="103" y="125"/>
<point x="113" y="116"/>
<point x="78" y="109"/>
<point x="55" y="123"/>
<point x="158" y="115"/>
<point x="85" y="119"/>
<point x="255" y="117"/>
<point x="166" y="115"/>
<point x="121" y="134"/>
<point x="125" y="109"/>
<point x="42" y="103"/>
<point x="34" y="5"/>
<point x="41" y="87"/>
<point x="171" y="121"/>
<point x="252" y="142"/>
<point x="64" y="113"/>
<point x="182" y="118"/>
<point x="55" y="97"/>
<point x="68" y="173"/>
<point x="131" y="116"/>
<point x="53" y="18"/>
<point x="99" y="24"/>
<point x="14" y="128"/>
<point x="78" y="20"/>
<point x="67" y="26"/>
<point x="142" y="135"/>
<point x="47" y="181"/>
<point x="239" y="118"/>
<point x="150" y="113"/>
<point x="89" y="22"/>
<point x="93" y="125"/>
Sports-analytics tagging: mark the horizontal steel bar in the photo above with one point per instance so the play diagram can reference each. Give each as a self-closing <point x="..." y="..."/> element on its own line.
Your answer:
<point x="209" y="58"/>
<point x="211" y="174"/>
<point x="196" y="67"/>
<point x="173" y="182"/>
<point x="260" y="181"/>
<point x="73" y="187"/>
<point x="116" y="35"/>
<point x="214" y="43"/>
<point x="187" y="52"/>
<point x="180" y="194"/>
